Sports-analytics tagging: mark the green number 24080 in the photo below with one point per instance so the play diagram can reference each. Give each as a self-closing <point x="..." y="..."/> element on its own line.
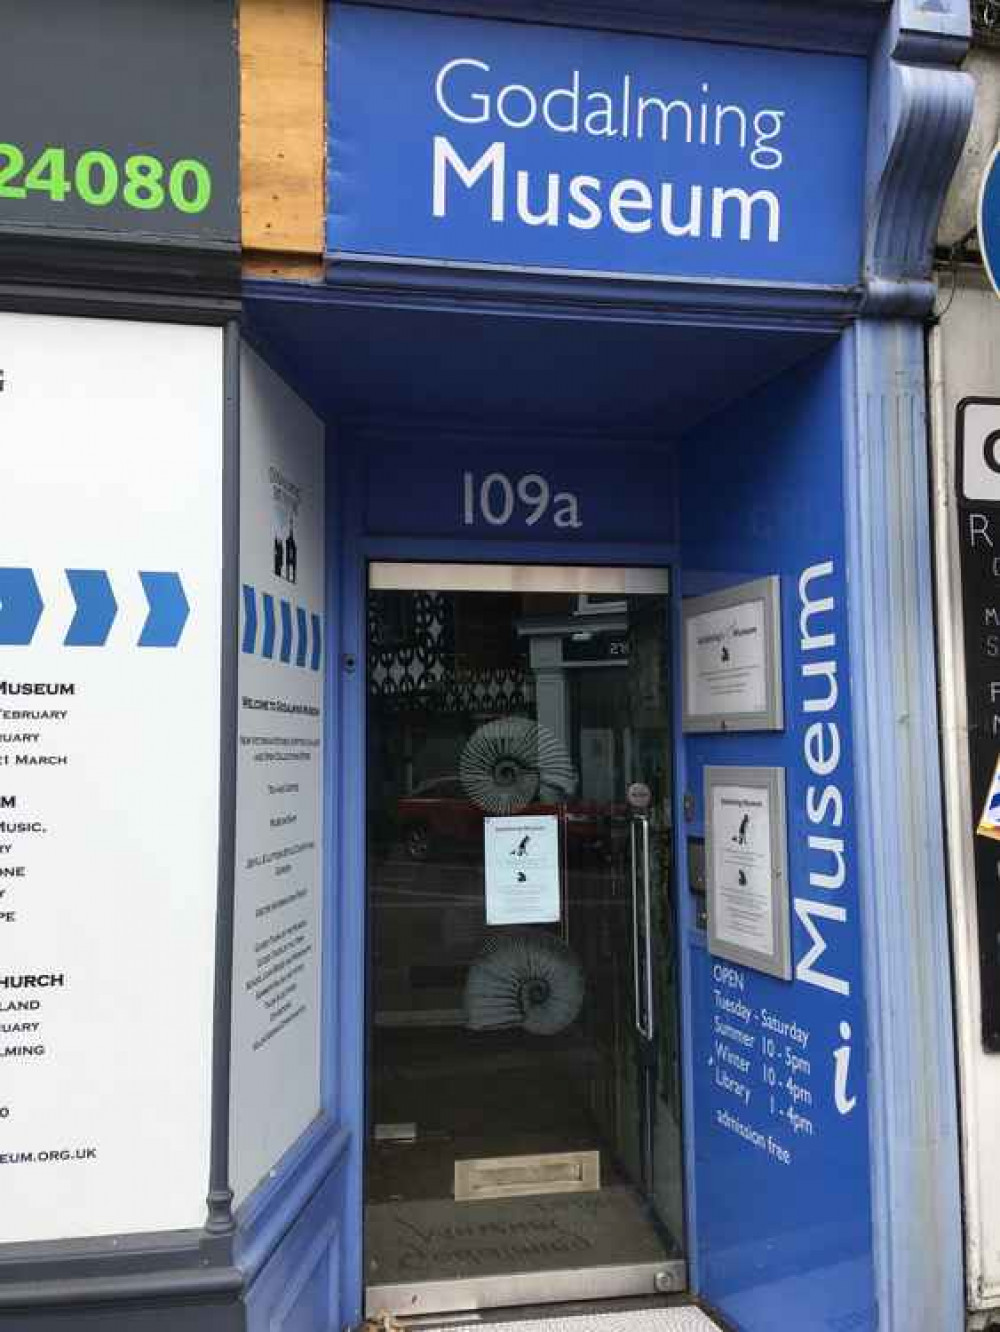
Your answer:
<point x="143" y="181"/>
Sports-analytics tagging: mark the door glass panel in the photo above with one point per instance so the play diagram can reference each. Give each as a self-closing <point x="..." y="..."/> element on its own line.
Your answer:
<point x="524" y="1086"/>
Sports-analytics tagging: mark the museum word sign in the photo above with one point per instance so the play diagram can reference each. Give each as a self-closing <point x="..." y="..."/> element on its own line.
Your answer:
<point x="505" y="143"/>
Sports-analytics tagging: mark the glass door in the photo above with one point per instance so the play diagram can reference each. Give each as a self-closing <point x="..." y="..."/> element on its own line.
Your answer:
<point x="524" y="1090"/>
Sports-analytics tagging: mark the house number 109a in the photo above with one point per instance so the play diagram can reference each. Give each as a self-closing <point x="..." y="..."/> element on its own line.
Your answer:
<point x="497" y="498"/>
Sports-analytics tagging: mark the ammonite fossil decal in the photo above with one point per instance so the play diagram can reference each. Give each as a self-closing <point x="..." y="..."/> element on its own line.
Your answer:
<point x="528" y="980"/>
<point x="512" y="761"/>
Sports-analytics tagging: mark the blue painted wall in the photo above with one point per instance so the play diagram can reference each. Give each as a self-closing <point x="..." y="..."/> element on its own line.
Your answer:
<point x="496" y="142"/>
<point x="781" y="1171"/>
<point x="778" y="1209"/>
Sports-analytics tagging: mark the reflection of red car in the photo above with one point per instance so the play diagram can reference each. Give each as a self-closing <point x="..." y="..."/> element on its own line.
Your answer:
<point x="438" y="815"/>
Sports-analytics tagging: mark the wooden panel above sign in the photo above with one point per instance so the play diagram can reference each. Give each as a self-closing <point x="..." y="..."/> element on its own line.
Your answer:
<point x="282" y="136"/>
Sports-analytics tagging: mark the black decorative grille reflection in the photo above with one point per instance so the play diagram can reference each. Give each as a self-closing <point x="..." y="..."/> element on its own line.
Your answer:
<point x="411" y="657"/>
<point x="488" y="692"/>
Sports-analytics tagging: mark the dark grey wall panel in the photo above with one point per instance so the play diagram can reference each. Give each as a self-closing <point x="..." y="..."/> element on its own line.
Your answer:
<point x="120" y="78"/>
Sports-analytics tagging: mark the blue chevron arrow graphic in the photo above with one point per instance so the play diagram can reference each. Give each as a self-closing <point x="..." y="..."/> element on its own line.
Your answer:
<point x="267" y="647"/>
<point x="249" y="618"/>
<point x="302" y="641"/>
<point x="20" y="607"/>
<point x="286" y="631"/>
<point x="168" y="610"/>
<point x="317" y="642"/>
<point x="96" y="608"/>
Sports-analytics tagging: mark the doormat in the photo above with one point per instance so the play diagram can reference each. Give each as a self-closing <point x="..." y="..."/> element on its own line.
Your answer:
<point x="527" y="1176"/>
<point x="442" y="1240"/>
<point x="679" y="1318"/>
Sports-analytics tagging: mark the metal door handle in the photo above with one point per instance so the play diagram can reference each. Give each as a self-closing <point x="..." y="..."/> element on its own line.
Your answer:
<point x="643" y="1021"/>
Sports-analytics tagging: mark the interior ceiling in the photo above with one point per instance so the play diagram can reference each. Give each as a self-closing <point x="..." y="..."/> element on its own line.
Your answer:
<point x="506" y="370"/>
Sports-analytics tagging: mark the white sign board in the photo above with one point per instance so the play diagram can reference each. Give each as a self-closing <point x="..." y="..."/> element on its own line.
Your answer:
<point x="521" y="857"/>
<point x="747" y="878"/>
<point x="110" y="631"/>
<point x="979" y="449"/>
<point x="732" y="659"/>
<point x="277" y="947"/>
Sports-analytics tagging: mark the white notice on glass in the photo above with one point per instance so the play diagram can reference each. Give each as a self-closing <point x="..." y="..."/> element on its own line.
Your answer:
<point x="743" y="870"/>
<point x="726" y="661"/>
<point x="521" y="856"/>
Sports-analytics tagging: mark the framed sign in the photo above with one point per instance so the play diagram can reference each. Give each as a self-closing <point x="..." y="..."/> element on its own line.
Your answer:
<point x="747" y="864"/>
<point x="732" y="659"/>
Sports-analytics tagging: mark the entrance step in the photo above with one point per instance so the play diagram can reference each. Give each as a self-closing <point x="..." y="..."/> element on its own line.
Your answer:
<point x="676" y="1318"/>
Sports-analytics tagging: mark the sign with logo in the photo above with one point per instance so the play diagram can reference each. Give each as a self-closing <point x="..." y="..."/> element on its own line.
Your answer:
<point x="120" y="117"/>
<point x="521" y="868"/>
<point x="977" y="473"/>
<point x="747" y="868"/>
<point x="732" y="659"/>
<point x="503" y="143"/>
<point x="277" y="927"/>
<point x="110" y="626"/>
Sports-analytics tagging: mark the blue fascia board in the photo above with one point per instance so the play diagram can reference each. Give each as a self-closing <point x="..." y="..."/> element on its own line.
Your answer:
<point x="399" y="284"/>
<point x="838" y="27"/>
<point x="919" y="107"/>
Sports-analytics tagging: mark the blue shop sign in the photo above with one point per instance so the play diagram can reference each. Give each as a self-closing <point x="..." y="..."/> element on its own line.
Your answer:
<point x="516" y="144"/>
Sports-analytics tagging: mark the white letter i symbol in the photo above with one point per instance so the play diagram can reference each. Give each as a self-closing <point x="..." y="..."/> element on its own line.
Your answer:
<point x="842" y="1062"/>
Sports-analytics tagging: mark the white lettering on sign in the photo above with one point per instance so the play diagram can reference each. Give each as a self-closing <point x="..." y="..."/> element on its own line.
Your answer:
<point x="573" y="108"/>
<point x="824" y="800"/>
<point x="496" y="499"/>
<point x="633" y="205"/>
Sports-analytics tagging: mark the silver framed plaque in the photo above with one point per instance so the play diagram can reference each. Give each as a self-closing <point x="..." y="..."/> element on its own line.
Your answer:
<point x="732" y="659"/>
<point x="746" y="844"/>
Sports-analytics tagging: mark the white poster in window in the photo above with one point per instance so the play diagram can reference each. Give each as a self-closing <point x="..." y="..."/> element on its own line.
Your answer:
<point x="521" y="856"/>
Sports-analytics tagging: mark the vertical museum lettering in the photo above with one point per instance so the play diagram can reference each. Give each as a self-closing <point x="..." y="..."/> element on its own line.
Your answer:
<point x="824" y="799"/>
